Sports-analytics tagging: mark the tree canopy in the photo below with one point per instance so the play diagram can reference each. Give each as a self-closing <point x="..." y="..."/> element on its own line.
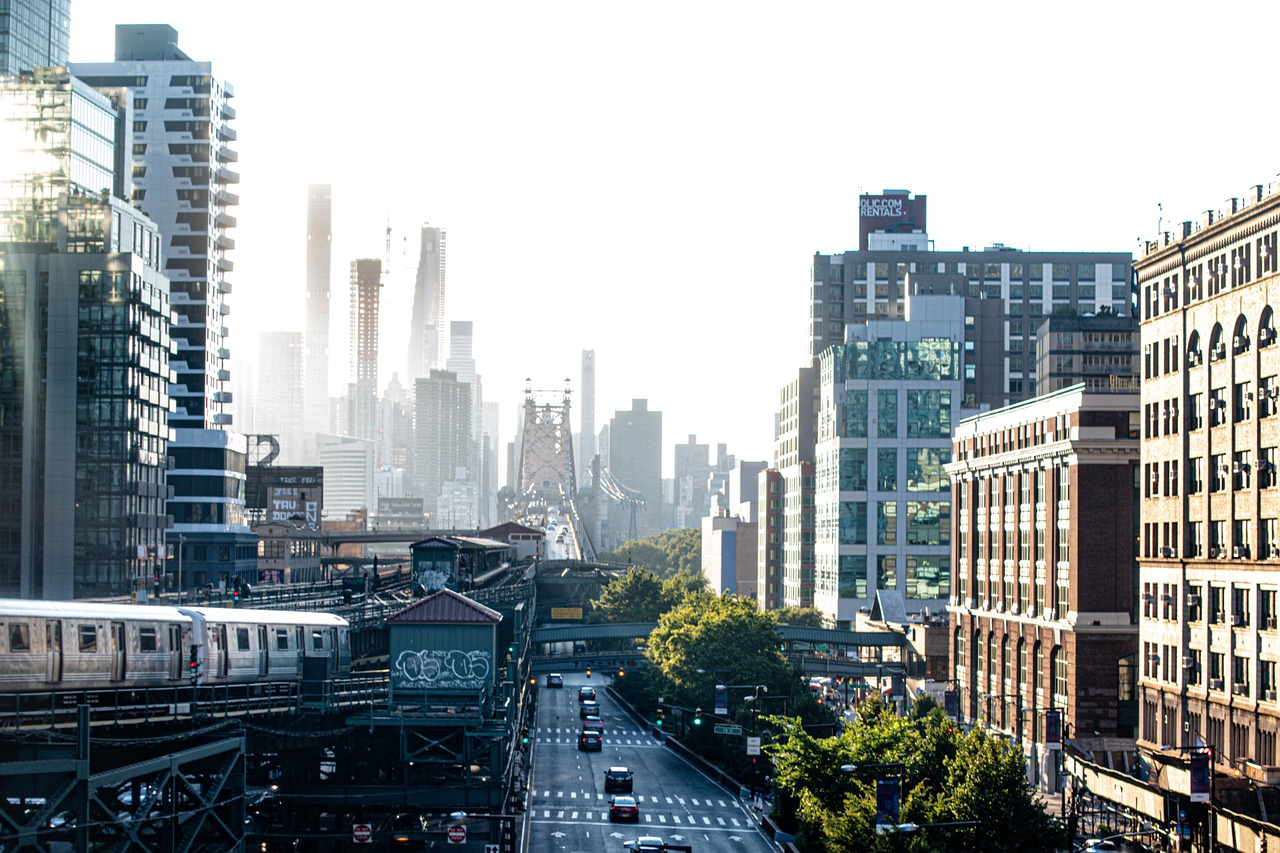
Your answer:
<point x="945" y="775"/>
<point x="804" y="617"/>
<point x="669" y="553"/>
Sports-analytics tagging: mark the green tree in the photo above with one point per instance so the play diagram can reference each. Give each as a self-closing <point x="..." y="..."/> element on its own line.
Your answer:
<point x="946" y="776"/>
<point x="637" y="596"/>
<point x="669" y="553"/>
<point x="804" y="617"/>
<point x="717" y="638"/>
<point x="681" y="585"/>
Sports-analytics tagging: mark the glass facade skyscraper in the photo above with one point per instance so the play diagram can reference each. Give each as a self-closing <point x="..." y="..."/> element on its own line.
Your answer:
<point x="33" y="34"/>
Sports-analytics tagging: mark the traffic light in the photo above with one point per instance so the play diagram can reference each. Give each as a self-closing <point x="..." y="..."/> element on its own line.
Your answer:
<point x="621" y="673"/>
<point x="524" y="735"/>
<point x="697" y="716"/>
<point x="193" y="666"/>
<point x="661" y="714"/>
<point x="533" y="682"/>
<point x="588" y="672"/>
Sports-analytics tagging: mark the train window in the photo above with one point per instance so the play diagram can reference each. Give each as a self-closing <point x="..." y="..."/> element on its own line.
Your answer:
<point x="147" y="639"/>
<point x="317" y="641"/>
<point x="19" y="637"/>
<point x="282" y="639"/>
<point x="242" y="639"/>
<point x="88" y="638"/>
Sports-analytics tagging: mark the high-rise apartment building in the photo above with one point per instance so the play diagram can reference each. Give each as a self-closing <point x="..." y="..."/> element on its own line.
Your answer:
<point x="427" y="334"/>
<point x="366" y="295"/>
<point x="1041" y="600"/>
<point x="1210" y="491"/>
<point x="785" y="574"/>
<point x="347" y="463"/>
<point x="278" y="404"/>
<point x="34" y="34"/>
<point x="316" y="339"/>
<point x="181" y="160"/>
<point x="442" y="436"/>
<point x="84" y="317"/>
<point x="182" y="179"/>
<point x="889" y="400"/>
<point x="635" y="460"/>
<point x="692" y="468"/>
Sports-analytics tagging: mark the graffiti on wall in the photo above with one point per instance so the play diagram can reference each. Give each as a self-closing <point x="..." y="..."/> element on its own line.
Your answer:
<point x="437" y="669"/>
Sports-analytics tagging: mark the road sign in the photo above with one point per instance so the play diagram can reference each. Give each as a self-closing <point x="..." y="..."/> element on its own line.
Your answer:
<point x="753" y="746"/>
<point x="492" y="848"/>
<point x="362" y="833"/>
<point x="457" y="834"/>
<point x="728" y="730"/>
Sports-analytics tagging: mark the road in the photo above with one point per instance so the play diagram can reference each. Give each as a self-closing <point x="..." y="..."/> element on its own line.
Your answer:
<point x="569" y="810"/>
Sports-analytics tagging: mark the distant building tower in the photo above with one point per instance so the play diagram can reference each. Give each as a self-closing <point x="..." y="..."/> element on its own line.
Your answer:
<point x="35" y="35"/>
<point x="692" y="468"/>
<point x="348" y="476"/>
<point x="635" y="459"/>
<point x="587" y="416"/>
<point x="427" y="330"/>
<point x="278" y="408"/>
<point x="85" y="321"/>
<point x="462" y="363"/>
<point x="366" y="286"/>
<point x="442" y="429"/>
<point x="1100" y="351"/>
<point x="319" y="245"/>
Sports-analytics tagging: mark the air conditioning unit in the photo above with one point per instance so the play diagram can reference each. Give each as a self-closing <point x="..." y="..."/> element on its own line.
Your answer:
<point x="1239" y="620"/>
<point x="1166" y="552"/>
<point x="1188" y="662"/>
<point x="1213" y="553"/>
<point x="1239" y="342"/>
<point x="1153" y="657"/>
<point x="1193" y="601"/>
<point x="1167" y="599"/>
<point x="1270" y="623"/>
<point x="1146" y="596"/>
<point x="1215" y="683"/>
<point x="1271" y="695"/>
<point x="1240" y="689"/>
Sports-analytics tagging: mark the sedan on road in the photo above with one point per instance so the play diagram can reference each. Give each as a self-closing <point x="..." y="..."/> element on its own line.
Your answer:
<point x="590" y="741"/>
<point x="624" y="808"/>
<point x="594" y="724"/>
<point x="555" y="679"/>
<point x="618" y="779"/>
<point x="590" y="708"/>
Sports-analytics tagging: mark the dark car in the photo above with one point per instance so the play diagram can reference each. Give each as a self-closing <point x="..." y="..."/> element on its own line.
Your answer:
<point x="618" y="779"/>
<point x="590" y="741"/>
<point x="586" y="693"/>
<point x="407" y="832"/>
<point x="555" y="679"/>
<point x="589" y="708"/>
<point x="624" y="808"/>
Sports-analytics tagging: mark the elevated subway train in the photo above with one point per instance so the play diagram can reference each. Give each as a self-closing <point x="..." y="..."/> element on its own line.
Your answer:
<point x="50" y="646"/>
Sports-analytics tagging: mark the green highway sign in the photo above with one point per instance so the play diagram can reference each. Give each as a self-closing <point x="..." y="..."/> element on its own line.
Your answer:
<point x="728" y="730"/>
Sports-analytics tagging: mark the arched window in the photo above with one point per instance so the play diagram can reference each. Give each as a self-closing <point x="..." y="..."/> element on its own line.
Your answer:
<point x="1240" y="337"/>
<point x="1267" y="328"/>
<point x="1217" y="349"/>
<point x="1194" y="356"/>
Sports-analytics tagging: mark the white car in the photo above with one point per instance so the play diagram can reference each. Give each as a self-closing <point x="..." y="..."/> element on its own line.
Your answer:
<point x="1099" y="845"/>
<point x="646" y="844"/>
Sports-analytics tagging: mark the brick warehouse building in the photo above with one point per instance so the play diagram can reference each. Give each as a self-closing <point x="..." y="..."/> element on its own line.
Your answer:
<point x="1210" y="565"/>
<point x="1042" y="596"/>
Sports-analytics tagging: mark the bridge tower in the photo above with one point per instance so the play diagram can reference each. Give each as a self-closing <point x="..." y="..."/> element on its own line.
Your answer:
<point x="546" y="449"/>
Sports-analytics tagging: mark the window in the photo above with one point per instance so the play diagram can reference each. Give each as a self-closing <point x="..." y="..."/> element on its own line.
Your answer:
<point x="1267" y="609"/>
<point x="1195" y="475"/>
<point x="887" y="469"/>
<point x="88" y="638"/>
<point x="1217" y="615"/>
<point x="887" y="571"/>
<point x="1243" y="402"/>
<point x="1241" y="470"/>
<point x="887" y="522"/>
<point x="929" y="523"/>
<point x="887" y="413"/>
<point x="19" y="637"/>
<point x="147" y="639"/>
<point x="282" y="639"/>
<point x="1217" y="472"/>
<point x="853" y="469"/>
<point x="1195" y="412"/>
<point x="317" y="641"/>
<point x="242" y="639"/>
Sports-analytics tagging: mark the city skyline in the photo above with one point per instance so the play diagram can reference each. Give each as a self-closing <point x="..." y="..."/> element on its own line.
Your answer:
<point x="730" y="157"/>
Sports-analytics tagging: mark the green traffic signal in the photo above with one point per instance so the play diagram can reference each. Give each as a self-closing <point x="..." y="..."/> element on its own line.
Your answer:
<point x="697" y="716"/>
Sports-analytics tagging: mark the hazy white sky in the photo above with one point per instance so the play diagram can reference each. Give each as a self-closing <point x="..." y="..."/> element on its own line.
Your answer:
<point x="650" y="180"/>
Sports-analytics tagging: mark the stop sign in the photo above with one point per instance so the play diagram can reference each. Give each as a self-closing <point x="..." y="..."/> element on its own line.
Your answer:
<point x="362" y="833"/>
<point x="457" y="834"/>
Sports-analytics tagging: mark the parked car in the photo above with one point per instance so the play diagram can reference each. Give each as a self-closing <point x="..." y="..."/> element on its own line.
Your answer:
<point x="591" y="741"/>
<point x="624" y="808"/>
<point x="590" y="708"/>
<point x="555" y="679"/>
<point x="618" y="779"/>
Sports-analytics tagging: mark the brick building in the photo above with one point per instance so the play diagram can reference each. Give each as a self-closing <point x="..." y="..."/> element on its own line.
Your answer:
<point x="1042" y="602"/>
<point x="1210" y="565"/>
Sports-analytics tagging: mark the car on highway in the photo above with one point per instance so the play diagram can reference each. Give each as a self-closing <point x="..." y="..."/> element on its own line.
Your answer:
<point x="624" y="808"/>
<point x="618" y="778"/>
<point x="646" y="844"/>
<point x="407" y="832"/>
<point x="591" y="741"/>
<point x="594" y="724"/>
<point x="1099" y="845"/>
<point x="589" y="708"/>
<point x="586" y="694"/>
<point x="555" y="679"/>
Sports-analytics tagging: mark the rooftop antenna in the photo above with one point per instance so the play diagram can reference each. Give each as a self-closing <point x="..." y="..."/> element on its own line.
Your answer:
<point x="1159" y="220"/>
